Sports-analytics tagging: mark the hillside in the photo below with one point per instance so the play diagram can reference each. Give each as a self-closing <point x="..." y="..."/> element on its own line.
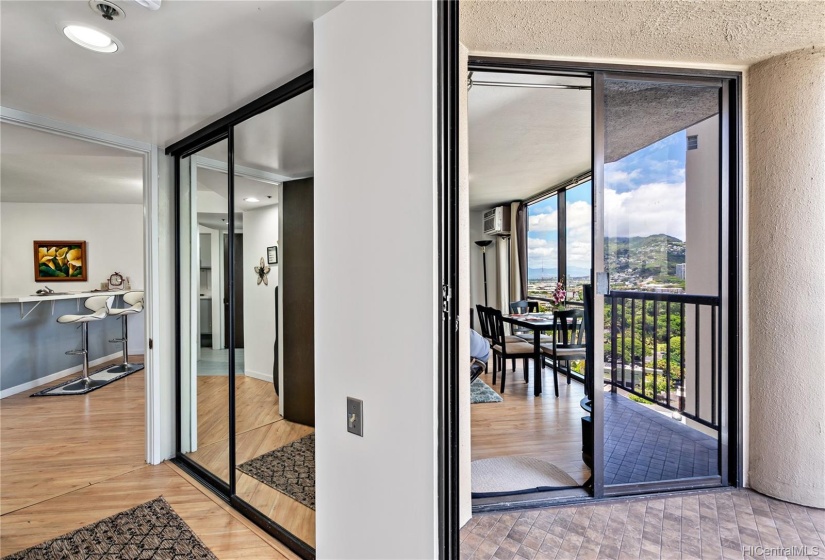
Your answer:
<point x="633" y="259"/>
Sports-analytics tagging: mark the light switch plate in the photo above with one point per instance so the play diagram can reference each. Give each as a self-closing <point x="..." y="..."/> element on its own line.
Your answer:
<point x="355" y="416"/>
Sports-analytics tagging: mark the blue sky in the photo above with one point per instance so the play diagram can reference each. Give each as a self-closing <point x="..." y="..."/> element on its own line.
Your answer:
<point x="644" y="195"/>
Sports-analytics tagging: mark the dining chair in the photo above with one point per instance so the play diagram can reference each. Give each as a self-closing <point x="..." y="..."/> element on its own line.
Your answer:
<point x="525" y="306"/>
<point x="485" y="319"/>
<point x="508" y="347"/>
<point x="568" y="343"/>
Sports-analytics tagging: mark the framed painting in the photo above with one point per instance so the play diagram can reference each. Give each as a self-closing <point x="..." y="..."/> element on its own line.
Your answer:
<point x="59" y="261"/>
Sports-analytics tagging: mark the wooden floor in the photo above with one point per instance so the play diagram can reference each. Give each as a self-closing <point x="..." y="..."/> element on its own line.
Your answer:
<point x="524" y="425"/>
<point x="69" y="461"/>
<point x="259" y="429"/>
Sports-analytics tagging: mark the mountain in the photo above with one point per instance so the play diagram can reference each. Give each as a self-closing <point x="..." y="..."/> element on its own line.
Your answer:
<point x="652" y="256"/>
<point x="632" y="258"/>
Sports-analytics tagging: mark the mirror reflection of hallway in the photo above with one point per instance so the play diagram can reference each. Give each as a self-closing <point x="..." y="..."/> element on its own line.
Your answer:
<point x="274" y="446"/>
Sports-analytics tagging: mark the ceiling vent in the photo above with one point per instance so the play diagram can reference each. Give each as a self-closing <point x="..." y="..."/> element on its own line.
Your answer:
<point x="107" y="10"/>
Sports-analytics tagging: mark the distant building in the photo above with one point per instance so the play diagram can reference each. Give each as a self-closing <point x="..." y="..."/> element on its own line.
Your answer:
<point x="680" y="271"/>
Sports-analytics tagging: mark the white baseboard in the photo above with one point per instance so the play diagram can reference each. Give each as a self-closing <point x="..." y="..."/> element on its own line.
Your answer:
<point x="256" y="375"/>
<point x="55" y="376"/>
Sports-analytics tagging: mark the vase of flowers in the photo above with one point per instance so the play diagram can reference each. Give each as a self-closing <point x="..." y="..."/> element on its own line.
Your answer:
<point x="559" y="296"/>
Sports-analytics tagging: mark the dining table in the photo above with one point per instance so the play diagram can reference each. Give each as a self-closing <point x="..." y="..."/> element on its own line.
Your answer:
<point x="535" y="322"/>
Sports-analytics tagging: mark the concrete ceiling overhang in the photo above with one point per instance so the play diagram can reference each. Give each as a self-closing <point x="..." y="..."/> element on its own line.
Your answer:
<point x="704" y="32"/>
<point x="637" y="114"/>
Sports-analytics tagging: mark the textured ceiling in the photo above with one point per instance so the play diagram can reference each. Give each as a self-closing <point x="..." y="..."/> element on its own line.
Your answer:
<point x="690" y="31"/>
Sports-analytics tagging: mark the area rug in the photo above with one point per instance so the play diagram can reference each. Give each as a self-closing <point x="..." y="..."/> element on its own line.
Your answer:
<point x="501" y="476"/>
<point x="480" y="392"/>
<point x="103" y="376"/>
<point x="289" y="469"/>
<point x="150" y="530"/>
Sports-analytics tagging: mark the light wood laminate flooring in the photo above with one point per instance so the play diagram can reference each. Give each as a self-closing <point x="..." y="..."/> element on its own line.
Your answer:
<point x="259" y="429"/>
<point x="70" y="461"/>
<point x="545" y="427"/>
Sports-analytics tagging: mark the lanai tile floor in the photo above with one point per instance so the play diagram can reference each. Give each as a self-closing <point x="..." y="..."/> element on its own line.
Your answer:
<point x="734" y="523"/>
<point x="642" y="445"/>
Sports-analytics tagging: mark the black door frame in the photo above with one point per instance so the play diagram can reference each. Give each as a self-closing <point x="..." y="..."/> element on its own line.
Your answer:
<point x="224" y="129"/>
<point x="730" y="271"/>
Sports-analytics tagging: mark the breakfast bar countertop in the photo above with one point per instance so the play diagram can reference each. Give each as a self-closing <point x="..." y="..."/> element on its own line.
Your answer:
<point x="60" y="295"/>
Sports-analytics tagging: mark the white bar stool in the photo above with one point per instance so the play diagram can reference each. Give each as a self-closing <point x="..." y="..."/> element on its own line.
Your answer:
<point x="135" y="300"/>
<point x="98" y="305"/>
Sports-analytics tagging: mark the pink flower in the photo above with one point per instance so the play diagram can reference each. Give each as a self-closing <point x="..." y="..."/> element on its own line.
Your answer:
<point x="559" y="294"/>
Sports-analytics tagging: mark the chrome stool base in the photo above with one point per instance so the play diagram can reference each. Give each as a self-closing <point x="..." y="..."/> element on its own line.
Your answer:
<point x="84" y="384"/>
<point x="124" y="368"/>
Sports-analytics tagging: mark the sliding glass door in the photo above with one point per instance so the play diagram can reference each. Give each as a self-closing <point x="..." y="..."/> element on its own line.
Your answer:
<point x="661" y="317"/>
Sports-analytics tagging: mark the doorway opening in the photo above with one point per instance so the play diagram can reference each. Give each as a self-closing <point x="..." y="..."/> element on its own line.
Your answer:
<point x="602" y="228"/>
<point x="85" y="193"/>
<point x="529" y="141"/>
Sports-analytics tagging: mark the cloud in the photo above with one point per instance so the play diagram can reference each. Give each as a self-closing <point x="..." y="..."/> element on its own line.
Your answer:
<point x="579" y="223"/>
<point x="650" y="209"/>
<point x="544" y="222"/>
<point x="618" y="176"/>
<point x="540" y="249"/>
<point x="647" y="210"/>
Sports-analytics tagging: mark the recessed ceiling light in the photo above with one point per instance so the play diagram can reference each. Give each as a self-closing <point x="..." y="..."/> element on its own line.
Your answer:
<point x="90" y="38"/>
<point x="252" y="199"/>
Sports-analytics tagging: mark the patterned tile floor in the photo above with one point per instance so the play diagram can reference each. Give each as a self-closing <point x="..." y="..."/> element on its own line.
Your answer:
<point x="642" y="445"/>
<point x="734" y="523"/>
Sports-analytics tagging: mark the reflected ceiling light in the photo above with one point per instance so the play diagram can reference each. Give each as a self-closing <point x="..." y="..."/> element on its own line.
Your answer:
<point x="251" y="199"/>
<point x="151" y="4"/>
<point x="90" y="38"/>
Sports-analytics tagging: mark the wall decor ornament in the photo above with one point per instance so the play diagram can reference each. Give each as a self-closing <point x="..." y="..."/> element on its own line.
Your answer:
<point x="59" y="261"/>
<point x="262" y="271"/>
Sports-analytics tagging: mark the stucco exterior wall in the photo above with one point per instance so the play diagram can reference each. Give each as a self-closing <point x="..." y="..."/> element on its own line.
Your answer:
<point x="786" y="160"/>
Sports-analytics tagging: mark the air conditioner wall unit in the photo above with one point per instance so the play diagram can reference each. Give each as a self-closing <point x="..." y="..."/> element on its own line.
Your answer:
<point x="497" y="221"/>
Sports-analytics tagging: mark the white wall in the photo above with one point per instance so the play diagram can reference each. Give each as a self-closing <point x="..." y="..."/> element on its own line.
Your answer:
<point x="114" y="242"/>
<point x="260" y="230"/>
<point x="476" y="262"/>
<point x="376" y="276"/>
<point x="701" y="258"/>
<point x="787" y="274"/>
<point x="113" y="235"/>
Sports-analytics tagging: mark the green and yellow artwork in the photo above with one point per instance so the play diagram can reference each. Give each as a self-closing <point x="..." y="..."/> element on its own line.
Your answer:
<point x="59" y="261"/>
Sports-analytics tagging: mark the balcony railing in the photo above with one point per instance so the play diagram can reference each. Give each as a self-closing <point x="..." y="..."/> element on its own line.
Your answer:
<point x="657" y="348"/>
